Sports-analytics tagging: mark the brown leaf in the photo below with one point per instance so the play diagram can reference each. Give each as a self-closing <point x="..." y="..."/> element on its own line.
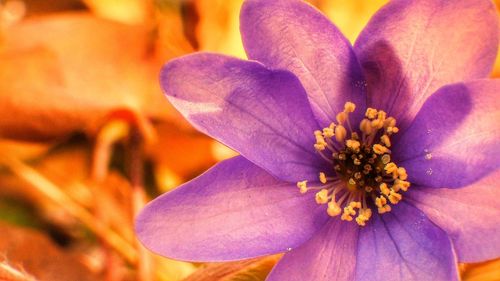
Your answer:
<point x="247" y="270"/>
<point x="39" y="256"/>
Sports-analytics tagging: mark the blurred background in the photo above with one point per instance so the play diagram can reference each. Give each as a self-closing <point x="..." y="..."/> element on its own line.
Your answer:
<point x="87" y="138"/>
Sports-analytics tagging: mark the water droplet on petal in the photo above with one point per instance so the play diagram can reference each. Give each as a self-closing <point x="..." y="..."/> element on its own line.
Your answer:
<point x="428" y="156"/>
<point x="429" y="171"/>
<point x="288" y="249"/>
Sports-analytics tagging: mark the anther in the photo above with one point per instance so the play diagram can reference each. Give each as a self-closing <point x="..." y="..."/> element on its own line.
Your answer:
<point x="391" y="167"/>
<point x="386" y="140"/>
<point x="366" y="127"/>
<point x="386" y="158"/>
<point x="322" y="196"/>
<point x="340" y="133"/>
<point x="384" y="189"/>
<point x="395" y="197"/>
<point x="302" y="185"/>
<point x="371" y="113"/>
<point x="353" y="144"/>
<point x="341" y="117"/>
<point x="349" y="107"/>
<point x="380" y="149"/>
<point x="333" y="209"/>
<point x="402" y="173"/>
<point x="328" y="132"/>
<point x="322" y="178"/>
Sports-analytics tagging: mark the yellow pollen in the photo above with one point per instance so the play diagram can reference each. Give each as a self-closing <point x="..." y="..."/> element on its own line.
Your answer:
<point x="322" y="196"/>
<point x="322" y="178"/>
<point x="320" y="144"/>
<point x="328" y="132"/>
<point x="380" y="149"/>
<point x="385" y="140"/>
<point x="389" y="122"/>
<point x="333" y="209"/>
<point x="340" y="133"/>
<point x="349" y="107"/>
<point x="395" y="197"/>
<point x="382" y="115"/>
<point x="402" y="173"/>
<point x="353" y="144"/>
<point x="371" y="113"/>
<point x="302" y="185"/>
<point x="384" y="209"/>
<point x="402" y="184"/>
<point x="390" y="168"/>
<point x="384" y="189"/>
<point x="392" y="130"/>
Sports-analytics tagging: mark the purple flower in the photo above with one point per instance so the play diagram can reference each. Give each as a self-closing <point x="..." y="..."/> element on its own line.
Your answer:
<point x="393" y="144"/>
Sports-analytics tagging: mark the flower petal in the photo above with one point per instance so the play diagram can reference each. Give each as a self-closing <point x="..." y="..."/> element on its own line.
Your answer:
<point x="295" y="36"/>
<point x="411" y="48"/>
<point x="263" y="114"/>
<point x="470" y="216"/>
<point x="453" y="140"/>
<point x="329" y="255"/>
<point x="234" y="211"/>
<point x="404" y="245"/>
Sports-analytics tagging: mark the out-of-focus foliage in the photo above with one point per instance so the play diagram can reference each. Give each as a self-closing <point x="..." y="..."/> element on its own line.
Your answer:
<point x="82" y="68"/>
<point x="87" y="138"/>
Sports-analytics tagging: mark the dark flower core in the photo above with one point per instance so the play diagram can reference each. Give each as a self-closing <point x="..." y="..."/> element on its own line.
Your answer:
<point x="363" y="175"/>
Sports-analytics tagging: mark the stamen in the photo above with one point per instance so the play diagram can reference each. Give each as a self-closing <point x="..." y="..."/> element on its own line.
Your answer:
<point x="380" y="149"/>
<point x="390" y="168"/>
<point x="340" y="133"/>
<point x="366" y="127"/>
<point x="402" y="173"/>
<point x="302" y="185"/>
<point x="363" y="168"/>
<point x="322" y="178"/>
<point x="341" y="117"/>
<point x="333" y="209"/>
<point x="322" y="196"/>
<point x="384" y="189"/>
<point x="371" y="113"/>
<point x="349" y="107"/>
<point x="353" y="144"/>
<point x="385" y="140"/>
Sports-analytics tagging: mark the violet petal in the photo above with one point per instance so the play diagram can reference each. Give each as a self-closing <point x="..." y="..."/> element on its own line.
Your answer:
<point x="292" y="35"/>
<point x="404" y="245"/>
<point x="470" y="216"/>
<point x="263" y="114"/>
<point x="235" y="210"/>
<point x="329" y="255"/>
<point x="454" y="138"/>
<point x="411" y="48"/>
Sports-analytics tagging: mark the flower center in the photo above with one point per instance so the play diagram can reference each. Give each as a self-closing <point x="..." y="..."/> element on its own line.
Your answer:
<point x="362" y="176"/>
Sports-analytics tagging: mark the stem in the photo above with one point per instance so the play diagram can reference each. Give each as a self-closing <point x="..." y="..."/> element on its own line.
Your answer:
<point x="136" y="174"/>
<point x="8" y="273"/>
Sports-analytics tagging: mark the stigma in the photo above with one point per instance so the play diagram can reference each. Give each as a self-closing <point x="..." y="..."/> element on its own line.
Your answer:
<point x="363" y="178"/>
